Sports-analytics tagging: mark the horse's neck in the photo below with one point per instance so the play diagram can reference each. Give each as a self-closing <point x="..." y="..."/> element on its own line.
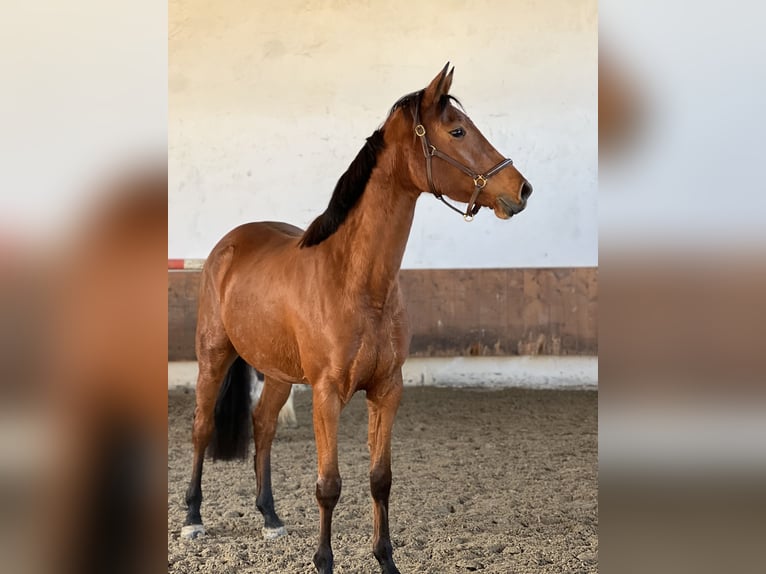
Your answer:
<point x="369" y="246"/>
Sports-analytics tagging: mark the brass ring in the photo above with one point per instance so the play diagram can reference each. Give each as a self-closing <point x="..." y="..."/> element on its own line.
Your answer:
<point x="468" y="217"/>
<point x="480" y="181"/>
<point x="420" y="131"/>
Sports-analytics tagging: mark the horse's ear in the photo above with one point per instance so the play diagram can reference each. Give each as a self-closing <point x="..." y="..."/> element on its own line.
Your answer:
<point x="448" y="81"/>
<point x="438" y="87"/>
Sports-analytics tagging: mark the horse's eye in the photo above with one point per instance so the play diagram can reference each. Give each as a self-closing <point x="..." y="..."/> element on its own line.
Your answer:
<point x="457" y="133"/>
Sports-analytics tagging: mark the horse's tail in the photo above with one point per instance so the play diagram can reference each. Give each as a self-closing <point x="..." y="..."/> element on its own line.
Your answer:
<point x="231" y="437"/>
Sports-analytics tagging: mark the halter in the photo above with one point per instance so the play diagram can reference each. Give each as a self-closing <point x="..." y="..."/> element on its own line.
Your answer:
<point x="479" y="180"/>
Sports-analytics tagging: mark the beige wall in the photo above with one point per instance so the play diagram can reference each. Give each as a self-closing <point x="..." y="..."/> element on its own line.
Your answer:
<point x="270" y="101"/>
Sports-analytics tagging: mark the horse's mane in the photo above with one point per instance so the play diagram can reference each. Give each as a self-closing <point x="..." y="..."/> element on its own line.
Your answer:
<point x="353" y="182"/>
<point x="347" y="192"/>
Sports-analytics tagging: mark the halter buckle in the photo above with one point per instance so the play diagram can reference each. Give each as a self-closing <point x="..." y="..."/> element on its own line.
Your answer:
<point x="431" y="150"/>
<point x="420" y="131"/>
<point x="480" y="181"/>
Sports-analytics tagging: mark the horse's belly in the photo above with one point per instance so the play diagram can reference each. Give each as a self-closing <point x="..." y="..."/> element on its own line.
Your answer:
<point x="267" y="347"/>
<point x="273" y="363"/>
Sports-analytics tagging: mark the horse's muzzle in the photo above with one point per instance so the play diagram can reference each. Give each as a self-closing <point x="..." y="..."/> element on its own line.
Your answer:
<point x="507" y="207"/>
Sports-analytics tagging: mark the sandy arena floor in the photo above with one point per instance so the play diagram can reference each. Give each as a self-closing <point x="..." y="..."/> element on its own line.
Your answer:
<point x="501" y="481"/>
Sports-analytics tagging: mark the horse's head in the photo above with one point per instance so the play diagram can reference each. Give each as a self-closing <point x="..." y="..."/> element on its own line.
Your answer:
<point x="453" y="158"/>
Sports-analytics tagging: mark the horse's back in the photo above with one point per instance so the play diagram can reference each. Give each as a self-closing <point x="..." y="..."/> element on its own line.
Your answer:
<point x="257" y="245"/>
<point x="252" y="241"/>
<point x="259" y="235"/>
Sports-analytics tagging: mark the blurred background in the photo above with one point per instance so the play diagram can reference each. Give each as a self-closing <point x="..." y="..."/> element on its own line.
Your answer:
<point x="83" y="306"/>
<point x="682" y="417"/>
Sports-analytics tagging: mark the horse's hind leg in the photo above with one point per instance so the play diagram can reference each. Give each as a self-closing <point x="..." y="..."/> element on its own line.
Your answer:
<point x="265" y="414"/>
<point x="287" y="414"/>
<point x="215" y="355"/>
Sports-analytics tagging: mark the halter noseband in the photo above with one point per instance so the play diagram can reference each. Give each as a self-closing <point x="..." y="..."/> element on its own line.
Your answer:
<point x="479" y="180"/>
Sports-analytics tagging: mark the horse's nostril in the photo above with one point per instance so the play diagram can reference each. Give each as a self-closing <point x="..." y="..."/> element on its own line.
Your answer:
<point x="525" y="191"/>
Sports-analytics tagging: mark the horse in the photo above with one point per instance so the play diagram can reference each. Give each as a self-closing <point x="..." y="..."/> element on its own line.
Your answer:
<point x="323" y="307"/>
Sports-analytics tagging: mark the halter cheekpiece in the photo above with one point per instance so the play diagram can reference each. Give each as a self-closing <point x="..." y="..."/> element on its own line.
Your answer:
<point x="479" y="179"/>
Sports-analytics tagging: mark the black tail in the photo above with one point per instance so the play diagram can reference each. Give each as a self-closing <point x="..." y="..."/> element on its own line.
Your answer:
<point x="231" y="438"/>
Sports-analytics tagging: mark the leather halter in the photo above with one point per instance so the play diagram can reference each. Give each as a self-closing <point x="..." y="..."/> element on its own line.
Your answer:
<point x="479" y="180"/>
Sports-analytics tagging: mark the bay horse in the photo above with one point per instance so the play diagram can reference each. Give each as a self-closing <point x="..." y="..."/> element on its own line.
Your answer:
<point x="323" y="307"/>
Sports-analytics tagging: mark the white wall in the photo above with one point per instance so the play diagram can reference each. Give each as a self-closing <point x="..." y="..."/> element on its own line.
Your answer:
<point x="270" y="101"/>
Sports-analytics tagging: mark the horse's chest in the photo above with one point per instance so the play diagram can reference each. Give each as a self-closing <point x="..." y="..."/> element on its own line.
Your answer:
<point x="380" y="348"/>
<point x="356" y="348"/>
<point x="376" y="349"/>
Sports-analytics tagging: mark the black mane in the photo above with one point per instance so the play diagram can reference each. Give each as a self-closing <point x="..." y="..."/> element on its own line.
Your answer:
<point x="347" y="192"/>
<point x="405" y="102"/>
<point x="352" y="183"/>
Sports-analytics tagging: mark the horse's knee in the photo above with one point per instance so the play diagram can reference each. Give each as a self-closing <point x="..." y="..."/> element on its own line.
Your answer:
<point x="328" y="491"/>
<point x="380" y="482"/>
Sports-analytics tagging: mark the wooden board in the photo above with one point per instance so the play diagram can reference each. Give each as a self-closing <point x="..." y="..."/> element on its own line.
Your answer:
<point x="458" y="312"/>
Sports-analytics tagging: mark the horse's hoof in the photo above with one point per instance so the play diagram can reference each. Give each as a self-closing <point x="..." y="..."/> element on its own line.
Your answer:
<point x="272" y="533"/>
<point x="192" y="531"/>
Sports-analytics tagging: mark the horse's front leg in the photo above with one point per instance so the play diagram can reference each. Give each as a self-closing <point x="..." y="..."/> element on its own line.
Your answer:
<point x="327" y="407"/>
<point x="382" y="402"/>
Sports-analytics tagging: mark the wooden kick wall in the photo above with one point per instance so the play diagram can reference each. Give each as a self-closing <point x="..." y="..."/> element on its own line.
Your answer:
<point x="457" y="312"/>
